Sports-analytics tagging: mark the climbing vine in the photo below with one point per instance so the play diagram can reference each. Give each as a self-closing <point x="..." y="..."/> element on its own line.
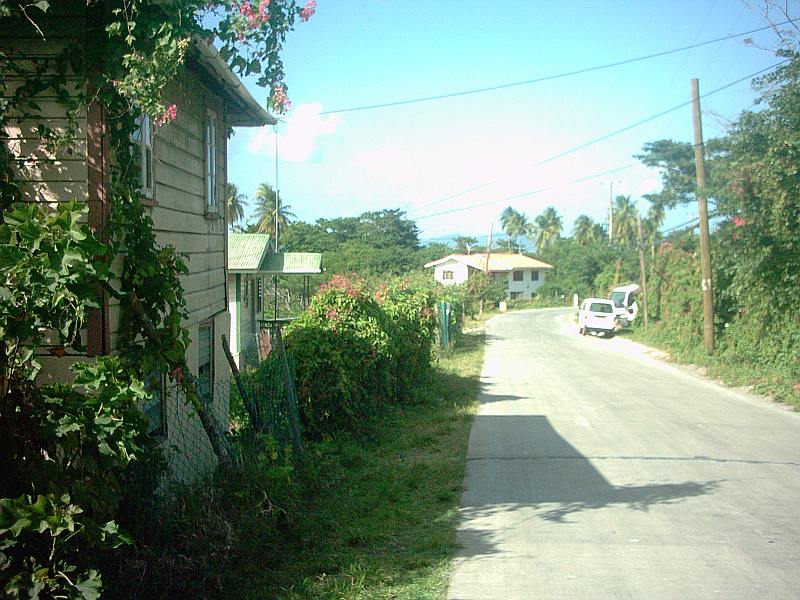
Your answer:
<point x="64" y="449"/>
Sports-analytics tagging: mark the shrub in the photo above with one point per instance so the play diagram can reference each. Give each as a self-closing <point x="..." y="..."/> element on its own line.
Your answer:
<point x="355" y="353"/>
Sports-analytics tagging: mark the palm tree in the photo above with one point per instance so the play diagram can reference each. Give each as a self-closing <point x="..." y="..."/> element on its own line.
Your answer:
<point x="625" y="221"/>
<point x="265" y="211"/>
<point x="584" y="230"/>
<point x="599" y="231"/>
<point x="549" y="226"/>
<point x="520" y="228"/>
<point x="652" y="224"/>
<point x="510" y="219"/>
<point x="235" y="203"/>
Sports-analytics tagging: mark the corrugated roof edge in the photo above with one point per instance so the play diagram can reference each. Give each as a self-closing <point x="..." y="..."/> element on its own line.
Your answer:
<point x="210" y="57"/>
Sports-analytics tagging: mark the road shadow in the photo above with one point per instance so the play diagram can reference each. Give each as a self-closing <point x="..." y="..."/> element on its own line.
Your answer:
<point x="521" y="462"/>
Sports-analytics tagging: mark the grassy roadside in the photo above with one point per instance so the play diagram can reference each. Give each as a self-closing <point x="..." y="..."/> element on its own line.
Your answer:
<point x="379" y="515"/>
<point x="773" y="381"/>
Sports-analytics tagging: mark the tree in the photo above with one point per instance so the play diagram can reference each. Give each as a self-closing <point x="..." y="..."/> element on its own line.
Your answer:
<point x="549" y="226"/>
<point x="652" y="223"/>
<point x="235" y="203"/>
<point x="266" y="200"/>
<point x="388" y="228"/>
<point x="584" y="230"/>
<point x="510" y="220"/>
<point x="625" y="228"/>
<point x="465" y="244"/>
<point x="675" y="161"/>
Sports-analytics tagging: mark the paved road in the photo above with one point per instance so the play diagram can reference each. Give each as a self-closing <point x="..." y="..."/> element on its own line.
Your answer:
<point x="595" y="471"/>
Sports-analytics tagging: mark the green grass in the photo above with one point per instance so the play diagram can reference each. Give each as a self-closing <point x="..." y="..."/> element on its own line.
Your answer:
<point x="379" y="512"/>
<point x="776" y="381"/>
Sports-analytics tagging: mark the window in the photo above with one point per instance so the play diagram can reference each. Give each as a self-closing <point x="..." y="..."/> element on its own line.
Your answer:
<point x="155" y="408"/>
<point x="211" y="163"/>
<point x="534" y="275"/>
<point x="260" y="297"/>
<point x="448" y="275"/>
<point x="516" y="295"/>
<point x="205" y="362"/>
<point x="518" y="275"/>
<point x="143" y="146"/>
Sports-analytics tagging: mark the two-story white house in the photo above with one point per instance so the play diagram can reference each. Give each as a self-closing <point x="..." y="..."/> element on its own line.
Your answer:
<point x="522" y="275"/>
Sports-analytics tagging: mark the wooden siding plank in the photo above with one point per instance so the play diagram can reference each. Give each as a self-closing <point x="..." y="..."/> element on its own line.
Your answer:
<point x="58" y="191"/>
<point x="192" y="242"/>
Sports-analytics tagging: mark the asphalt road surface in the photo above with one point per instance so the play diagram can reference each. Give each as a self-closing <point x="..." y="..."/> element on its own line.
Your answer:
<point x="596" y="471"/>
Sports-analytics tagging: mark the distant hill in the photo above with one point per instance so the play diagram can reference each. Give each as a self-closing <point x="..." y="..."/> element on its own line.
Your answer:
<point x="482" y="240"/>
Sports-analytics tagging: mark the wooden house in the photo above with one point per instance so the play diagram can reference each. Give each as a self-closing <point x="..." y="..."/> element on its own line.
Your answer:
<point x="184" y="168"/>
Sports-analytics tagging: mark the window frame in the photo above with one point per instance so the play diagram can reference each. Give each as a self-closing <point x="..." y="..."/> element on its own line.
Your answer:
<point x="209" y="325"/>
<point x="143" y="138"/>
<point x="210" y="159"/>
<point x="514" y="275"/>
<point x="448" y="275"/>
<point x="535" y="275"/>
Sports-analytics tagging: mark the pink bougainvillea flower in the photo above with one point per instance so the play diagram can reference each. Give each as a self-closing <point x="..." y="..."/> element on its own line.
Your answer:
<point x="176" y="375"/>
<point x="280" y="101"/>
<point x="168" y="117"/>
<point x="263" y="10"/>
<point x="308" y="10"/>
<point x="738" y="221"/>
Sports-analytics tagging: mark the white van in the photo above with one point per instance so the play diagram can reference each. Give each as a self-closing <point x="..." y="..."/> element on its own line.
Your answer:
<point x="625" y="306"/>
<point x="596" y="316"/>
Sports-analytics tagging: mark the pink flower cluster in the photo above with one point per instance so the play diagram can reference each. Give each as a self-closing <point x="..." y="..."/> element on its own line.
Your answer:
<point x="308" y="10"/>
<point x="381" y="293"/>
<point x="738" y="221"/>
<point x="255" y="17"/>
<point x="168" y="117"/>
<point x="342" y="282"/>
<point x="280" y="101"/>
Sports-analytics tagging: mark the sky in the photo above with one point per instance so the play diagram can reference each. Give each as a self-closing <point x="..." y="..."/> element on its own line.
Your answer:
<point x="454" y="164"/>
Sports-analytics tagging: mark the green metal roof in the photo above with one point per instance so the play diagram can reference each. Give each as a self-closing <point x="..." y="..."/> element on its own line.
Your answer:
<point x="246" y="251"/>
<point x="296" y="263"/>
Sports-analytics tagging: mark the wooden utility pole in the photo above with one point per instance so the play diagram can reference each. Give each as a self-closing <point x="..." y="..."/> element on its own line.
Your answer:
<point x="611" y="213"/>
<point x="488" y="253"/>
<point x="488" y="248"/>
<point x="702" y="207"/>
<point x="642" y="273"/>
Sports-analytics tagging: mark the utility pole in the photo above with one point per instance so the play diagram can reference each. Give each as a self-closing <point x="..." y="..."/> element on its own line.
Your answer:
<point x="611" y="213"/>
<point x="488" y="254"/>
<point x="277" y="199"/>
<point x="642" y="274"/>
<point x="702" y="207"/>
<point x="488" y="248"/>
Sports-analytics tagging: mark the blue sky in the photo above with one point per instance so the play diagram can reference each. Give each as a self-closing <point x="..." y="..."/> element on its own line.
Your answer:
<point x="416" y="156"/>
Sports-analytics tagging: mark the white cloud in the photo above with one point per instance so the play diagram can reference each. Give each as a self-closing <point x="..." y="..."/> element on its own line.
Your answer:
<point x="298" y="138"/>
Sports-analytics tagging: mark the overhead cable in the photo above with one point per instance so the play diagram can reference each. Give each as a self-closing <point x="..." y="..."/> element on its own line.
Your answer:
<point x="550" y="77"/>
<point x="605" y="137"/>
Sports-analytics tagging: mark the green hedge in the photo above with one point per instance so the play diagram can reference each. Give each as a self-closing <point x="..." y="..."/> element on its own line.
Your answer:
<point x="356" y="353"/>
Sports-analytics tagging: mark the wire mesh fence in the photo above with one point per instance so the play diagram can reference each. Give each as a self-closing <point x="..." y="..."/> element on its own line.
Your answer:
<point x="244" y="418"/>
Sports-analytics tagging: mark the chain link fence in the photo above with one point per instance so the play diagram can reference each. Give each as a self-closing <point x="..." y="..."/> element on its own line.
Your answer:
<point x="251" y="414"/>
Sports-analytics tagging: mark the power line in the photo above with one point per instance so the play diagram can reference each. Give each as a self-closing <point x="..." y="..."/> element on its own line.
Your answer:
<point x="550" y="77"/>
<point x="529" y="193"/>
<point x="600" y="139"/>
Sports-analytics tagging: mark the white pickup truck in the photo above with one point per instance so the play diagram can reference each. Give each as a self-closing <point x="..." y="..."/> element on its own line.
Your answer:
<point x="625" y="307"/>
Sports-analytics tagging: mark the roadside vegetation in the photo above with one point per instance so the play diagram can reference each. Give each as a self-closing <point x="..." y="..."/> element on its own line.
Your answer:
<point x="368" y="509"/>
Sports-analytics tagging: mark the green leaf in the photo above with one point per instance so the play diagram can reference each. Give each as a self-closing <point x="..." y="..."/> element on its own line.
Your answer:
<point x="90" y="585"/>
<point x="19" y="525"/>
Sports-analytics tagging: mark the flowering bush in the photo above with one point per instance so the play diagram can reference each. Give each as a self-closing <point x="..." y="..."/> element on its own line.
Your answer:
<point x="355" y="354"/>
